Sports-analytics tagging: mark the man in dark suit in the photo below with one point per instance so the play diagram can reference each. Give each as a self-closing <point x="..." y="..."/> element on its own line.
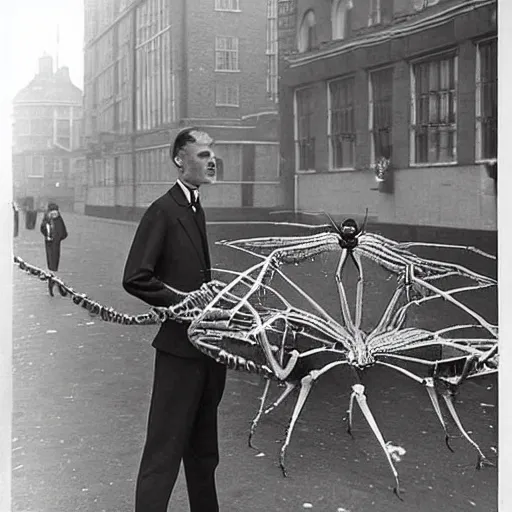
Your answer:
<point x="170" y="248"/>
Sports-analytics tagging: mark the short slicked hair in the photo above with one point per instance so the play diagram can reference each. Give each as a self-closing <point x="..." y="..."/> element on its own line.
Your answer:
<point x="183" y="138"/>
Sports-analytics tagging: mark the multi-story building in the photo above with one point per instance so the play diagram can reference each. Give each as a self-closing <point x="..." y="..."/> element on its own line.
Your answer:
<point x="414" y="81"/>
<point x="47" y="137"/>
<point x="154" y="66"/>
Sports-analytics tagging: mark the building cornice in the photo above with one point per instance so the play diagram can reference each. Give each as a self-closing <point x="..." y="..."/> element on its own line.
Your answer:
<point x="393" y="32"/>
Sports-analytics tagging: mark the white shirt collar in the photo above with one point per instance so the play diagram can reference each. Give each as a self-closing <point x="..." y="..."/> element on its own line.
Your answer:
<point x="187" y="191"/>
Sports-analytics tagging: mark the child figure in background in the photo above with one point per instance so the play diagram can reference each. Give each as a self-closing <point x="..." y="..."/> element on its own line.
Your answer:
<point x="54" y="231"/>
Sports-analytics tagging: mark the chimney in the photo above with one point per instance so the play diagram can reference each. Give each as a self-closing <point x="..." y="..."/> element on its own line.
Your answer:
<point x="46" y="65"/>
<point x="63" y="74"/>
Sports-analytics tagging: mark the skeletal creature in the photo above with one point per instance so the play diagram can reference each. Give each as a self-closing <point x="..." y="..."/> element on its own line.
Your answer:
<point x="295" y="347"/>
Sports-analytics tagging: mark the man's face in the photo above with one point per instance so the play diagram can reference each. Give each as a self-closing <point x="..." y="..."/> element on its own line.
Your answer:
<point x="198" y="161"/>
<point x="54" y="214"/>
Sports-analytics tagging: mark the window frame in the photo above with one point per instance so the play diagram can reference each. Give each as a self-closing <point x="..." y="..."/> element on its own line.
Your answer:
<point x="371" y="104"/>
<point x="453" y="53"/>
<point x="375" y="13"/>
<point x="227" y="9"/>
<point x="226" y="87"/>
<point x="478" y="102"/>
<point x="236" y="52"/>
<point x="306" y="35"/>
<point x="330" y="151"/>
<point x="339" y="27"/>
<point x="296" y="133"/>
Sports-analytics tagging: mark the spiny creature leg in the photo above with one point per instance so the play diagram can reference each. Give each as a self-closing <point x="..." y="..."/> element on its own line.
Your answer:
<point x="429" y="385"/>
<point x="356" y="258"/>
<point x="482" y="459"/>
<point x="345" y="310"/>
<point x="260" y="412"/>
<point x="289" y="388"/>
<point x="358" y="393"/>
<point x="350" y="413"/>
<point x="306" y="384"/>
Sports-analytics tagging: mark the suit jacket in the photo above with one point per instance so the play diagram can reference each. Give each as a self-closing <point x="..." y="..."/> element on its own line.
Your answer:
<point x="56" y="227"/>
<point x="170" y="246"/>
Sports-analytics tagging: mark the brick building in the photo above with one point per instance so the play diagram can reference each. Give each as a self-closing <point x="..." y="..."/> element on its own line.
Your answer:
<point x="411" y="80"/>
<point x="47" y="137"/>
<point x="154" y="66"/>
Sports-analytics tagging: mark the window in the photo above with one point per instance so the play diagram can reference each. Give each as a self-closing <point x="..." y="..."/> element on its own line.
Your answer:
<point x="227" y="95"/>
<point x="434" y="111"/>
<point x="226" y="53"/>
<point x="152" y="166"/>
<point x="381" y="113"/>
<point x="381" y="11"/>
<point x="304" y="138"/>
<point x="155" y="81"/>
<point x="227" y="5"/>
<point x="341" y="127"/>
<point x="307" y="32"/>
<point x="63" y="135"/>
<point x="341" y="18"/>
<point x="272" y="53"/>
<point x="487" y="100"/>
<point x="231" y="156"/>
<point x="36" y="167"/>
<point x="122" y="112"/>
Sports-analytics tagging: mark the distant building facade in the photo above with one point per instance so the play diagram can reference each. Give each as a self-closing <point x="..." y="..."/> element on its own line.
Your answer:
<point x="154" y="66"/>
<point x="47" y="139"/>
<point x="414" y="81"/>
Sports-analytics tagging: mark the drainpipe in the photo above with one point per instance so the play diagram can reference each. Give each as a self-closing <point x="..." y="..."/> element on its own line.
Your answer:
<point x="184" y="63"/>
<point x="134" y="111"/>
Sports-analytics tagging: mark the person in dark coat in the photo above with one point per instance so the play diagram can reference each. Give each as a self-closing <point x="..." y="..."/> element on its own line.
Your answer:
<point x="54" y="231"/>
<point x="170" y="248"/>
<point x="16" y="220"/>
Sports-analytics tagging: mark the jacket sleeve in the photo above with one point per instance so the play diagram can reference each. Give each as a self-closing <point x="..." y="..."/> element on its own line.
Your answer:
<point x="64" y="233"/>
<point x="43" y="227"/>
<point x="139" y="273"/>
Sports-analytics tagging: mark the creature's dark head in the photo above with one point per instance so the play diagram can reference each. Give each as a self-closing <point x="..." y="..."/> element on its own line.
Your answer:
<point x="349" y="229"/>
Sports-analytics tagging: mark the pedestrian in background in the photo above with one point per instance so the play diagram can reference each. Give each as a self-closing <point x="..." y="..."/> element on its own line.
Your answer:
<point x="16" y="220"/>
<point x="170" y="248"/>
<point x="54" y="231"/>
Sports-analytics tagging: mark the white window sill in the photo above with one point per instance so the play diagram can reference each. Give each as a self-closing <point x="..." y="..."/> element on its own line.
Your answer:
<point x="227" y="71"/>
<point x="342" y="169"/>
<point x="305" y="171"/>
<point x="228" y="10"/>
<point x="433" y="164"/>
<point x="226" y="105"/>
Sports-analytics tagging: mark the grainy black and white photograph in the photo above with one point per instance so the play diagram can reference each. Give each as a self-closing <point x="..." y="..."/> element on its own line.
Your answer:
<point x="253" y="256"/>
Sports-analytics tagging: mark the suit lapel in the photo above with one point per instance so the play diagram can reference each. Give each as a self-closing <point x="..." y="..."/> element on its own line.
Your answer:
<point x="189" y="223"/>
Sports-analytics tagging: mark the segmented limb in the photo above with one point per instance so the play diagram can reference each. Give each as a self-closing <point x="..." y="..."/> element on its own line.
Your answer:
<point x="306" y="384"/>
<point x="345" y="310"/>
<point x="385" y="321"/>
<point x="356" y="258"/>
<point x="297" y="288"/>
<point x="482" y="459"/>
<point x="289" y="387"/>
<point x="406" y="245"/>
<point x="358" y="394"/>
<point x="432" y="393"/>
<point x="484" y="323"/>
<point x="258" y="416"/>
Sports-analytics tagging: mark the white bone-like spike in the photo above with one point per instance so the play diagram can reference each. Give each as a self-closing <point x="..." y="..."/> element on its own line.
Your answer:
<point x="255" y="421"/>
<point x="449" y="404"/>
<point x="358" y="392"/>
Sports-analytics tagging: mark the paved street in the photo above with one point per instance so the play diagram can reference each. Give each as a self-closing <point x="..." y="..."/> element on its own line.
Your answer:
<point x="81" y="395"/>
